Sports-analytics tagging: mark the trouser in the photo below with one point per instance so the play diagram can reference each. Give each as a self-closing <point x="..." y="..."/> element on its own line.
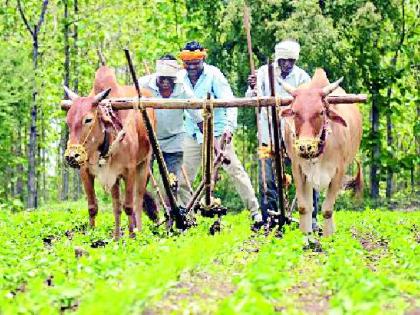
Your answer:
<point x="173" y="163"/>
<point x="268" y="201"/>
<point x="235" y="170"/>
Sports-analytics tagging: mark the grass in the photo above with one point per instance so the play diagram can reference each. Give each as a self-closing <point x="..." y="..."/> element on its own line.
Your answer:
<point x="48" y="266"/>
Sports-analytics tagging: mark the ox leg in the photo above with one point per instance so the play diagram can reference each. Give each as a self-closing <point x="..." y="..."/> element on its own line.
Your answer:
<point x="116" y="207"/>
<point x="328" y="204"/>
<point x="304" y="198"/>
<point x="129" y="200"/>
<point x="88" y="184"/>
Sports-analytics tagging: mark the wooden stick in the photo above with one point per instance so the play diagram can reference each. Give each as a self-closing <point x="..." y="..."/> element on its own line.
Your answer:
<point x="247" y="25"/>
<point x="277" y="143"/>
<point x="146" y="67"/>
<point x="187" y="180"/>
<point x="208" y="156"/>
<point x="153" y="140"/>
<point x="265" y="101"/>
<point x="159" y="193"/>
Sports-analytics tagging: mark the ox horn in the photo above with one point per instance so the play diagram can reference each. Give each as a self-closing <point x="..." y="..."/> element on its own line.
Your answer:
<point x="331" y="87"/>
<point x="289" y="89"/>
<point x="72" y="95"/>
<point x="102" y="95"/>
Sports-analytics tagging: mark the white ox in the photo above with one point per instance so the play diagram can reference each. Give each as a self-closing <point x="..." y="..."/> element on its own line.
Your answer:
<point x="321" y="140"/>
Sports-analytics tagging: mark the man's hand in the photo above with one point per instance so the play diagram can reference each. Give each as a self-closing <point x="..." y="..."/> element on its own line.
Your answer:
<point x="200" y="126"/>
<point x="252" y="81"/>
<point x="228" y="135"/>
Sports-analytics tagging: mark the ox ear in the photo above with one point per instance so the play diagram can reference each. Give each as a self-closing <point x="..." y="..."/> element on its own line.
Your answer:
<point x="72" y="95"/>
<point x="336" y="117"/>
<point x="288" y="112"/>
<point x="331" y="87"/>
<point x="288" y="88"/>
<point x="100" y="96"/>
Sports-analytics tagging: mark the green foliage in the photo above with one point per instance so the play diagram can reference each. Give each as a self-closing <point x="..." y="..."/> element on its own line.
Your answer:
<point x="15" y="96"/>
<point x="373" y="44"/>
<point x="369" y="267"/>
<point x="48" y="265"/>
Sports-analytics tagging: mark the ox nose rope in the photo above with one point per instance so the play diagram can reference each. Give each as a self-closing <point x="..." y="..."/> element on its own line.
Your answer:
<point x="318" y="142"/>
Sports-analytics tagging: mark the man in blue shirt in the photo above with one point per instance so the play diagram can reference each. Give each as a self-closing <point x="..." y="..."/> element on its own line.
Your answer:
<point x="170" y="122"/>
<point x="202" y="78"/>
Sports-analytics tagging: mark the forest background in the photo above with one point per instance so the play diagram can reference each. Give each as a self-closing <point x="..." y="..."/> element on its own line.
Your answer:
<point x="45" y="44"/>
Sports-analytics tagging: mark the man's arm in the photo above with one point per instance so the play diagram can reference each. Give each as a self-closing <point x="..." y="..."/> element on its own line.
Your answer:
<point x="304" y="78"/>
<point x="195" y="114"/>
<point x="256" y="83"/>
<point x="222" y="89"/>
<point x="144" y="81"/>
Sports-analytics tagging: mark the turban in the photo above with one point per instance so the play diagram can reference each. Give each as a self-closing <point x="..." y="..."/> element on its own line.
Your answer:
<point x="187" y="55"/>
<point x="287" y="49"/>
<point x="167" y="68"/>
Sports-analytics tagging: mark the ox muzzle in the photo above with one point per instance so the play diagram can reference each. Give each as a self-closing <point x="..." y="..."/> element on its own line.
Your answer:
<point x="75" y="155"/>
<point x="307" y="147"/>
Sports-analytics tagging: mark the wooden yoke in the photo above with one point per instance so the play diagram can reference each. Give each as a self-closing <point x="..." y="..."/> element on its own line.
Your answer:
<point x="244" y="102"/>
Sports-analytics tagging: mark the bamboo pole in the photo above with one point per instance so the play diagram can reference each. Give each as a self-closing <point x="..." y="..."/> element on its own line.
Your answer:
<point x="263" y="101"/>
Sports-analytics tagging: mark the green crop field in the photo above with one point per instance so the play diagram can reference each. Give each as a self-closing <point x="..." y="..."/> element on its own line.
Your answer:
<point x="50" y="263"/>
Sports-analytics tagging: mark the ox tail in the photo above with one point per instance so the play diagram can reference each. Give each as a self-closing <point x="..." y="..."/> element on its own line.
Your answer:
<point x="149" y="205"/>
<point x="356" y="183"/>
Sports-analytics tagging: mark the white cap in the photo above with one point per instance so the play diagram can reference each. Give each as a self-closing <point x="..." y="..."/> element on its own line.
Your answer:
<point x="287" y="49"/>
<point x="167" y="68"/>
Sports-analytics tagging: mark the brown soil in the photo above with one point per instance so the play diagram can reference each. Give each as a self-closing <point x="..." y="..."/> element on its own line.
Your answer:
<point x="310" y="295"/>
<point x="198" y="291"/>
<point x="375" y="247"/>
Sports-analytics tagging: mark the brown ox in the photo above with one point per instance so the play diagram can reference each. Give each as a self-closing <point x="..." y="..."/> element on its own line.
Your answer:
<point x="321" y="141"/>
<point x="95" y="131"/>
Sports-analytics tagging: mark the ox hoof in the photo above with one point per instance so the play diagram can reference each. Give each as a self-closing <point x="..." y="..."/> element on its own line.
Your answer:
<point x="117" y="235"/>
<point x="313" y="245"/>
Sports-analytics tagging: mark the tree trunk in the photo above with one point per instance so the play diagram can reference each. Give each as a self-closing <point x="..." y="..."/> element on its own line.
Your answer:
<point x="389" y="141"/>
<point x="64" y="131"/>
<point x="77" y="183"/>
<point x="20" y="171"/>
<point x="375" y="153"/>
<point x="32" y="180"/>
<point x="32" y="162"/>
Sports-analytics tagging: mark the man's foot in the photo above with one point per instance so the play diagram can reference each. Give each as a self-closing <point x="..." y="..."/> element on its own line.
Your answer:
<point x="257" y="221"/>
<point x="256" y="217"/>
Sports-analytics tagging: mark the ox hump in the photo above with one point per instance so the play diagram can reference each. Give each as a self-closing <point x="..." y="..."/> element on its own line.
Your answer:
<point x="319" y="79"/>
<point x="105" y="78"/>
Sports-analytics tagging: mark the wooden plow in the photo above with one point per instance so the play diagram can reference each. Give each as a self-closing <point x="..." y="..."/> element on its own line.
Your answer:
<point x="184" y="217"/>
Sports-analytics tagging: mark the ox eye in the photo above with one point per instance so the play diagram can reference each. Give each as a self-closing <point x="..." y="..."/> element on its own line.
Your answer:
<point x="88" y="120"/>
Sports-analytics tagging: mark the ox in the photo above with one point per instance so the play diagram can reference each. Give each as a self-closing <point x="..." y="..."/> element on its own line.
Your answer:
<point x="321" y="141"/>
<point x="110" y="146"/>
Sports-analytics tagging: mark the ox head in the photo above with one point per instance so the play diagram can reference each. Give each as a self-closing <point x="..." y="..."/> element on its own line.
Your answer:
<point x="311" y="115"/>
<point x="86" y="132"/>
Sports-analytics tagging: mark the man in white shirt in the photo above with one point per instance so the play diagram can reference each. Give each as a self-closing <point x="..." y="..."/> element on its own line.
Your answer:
<point x="285" y="69"/>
